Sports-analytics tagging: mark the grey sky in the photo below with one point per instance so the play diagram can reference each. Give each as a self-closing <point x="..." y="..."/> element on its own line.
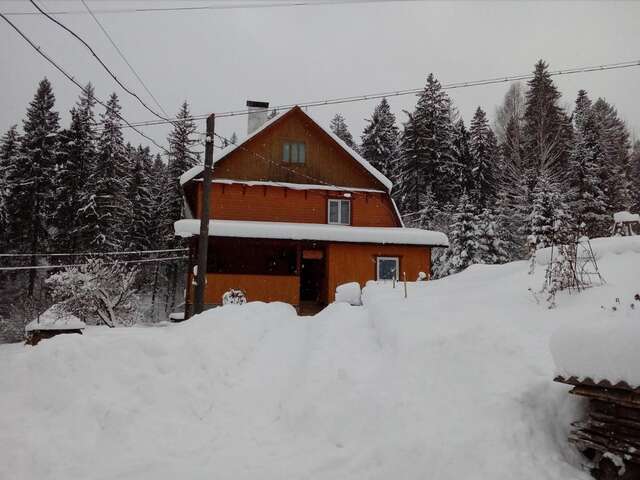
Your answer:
<point x="218" y="59"/>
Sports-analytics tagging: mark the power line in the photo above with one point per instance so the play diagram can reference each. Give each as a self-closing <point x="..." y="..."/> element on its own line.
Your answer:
<point x="89" y="254"/>
<point x="53" y="267"/>
<point x="133" y="70"/>
<point x="95" y="55"/>
<point x="412" y="91"/>
<point x="231" y="6"/>
<point x="73" y="80"/>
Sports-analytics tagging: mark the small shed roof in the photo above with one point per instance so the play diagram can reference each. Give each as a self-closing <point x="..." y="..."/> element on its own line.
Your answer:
<point x="314" y="231"/>
<point x="620" y="217"/>
<point x="55" y="319"/>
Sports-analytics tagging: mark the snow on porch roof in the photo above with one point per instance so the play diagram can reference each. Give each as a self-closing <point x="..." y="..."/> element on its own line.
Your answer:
<point x="197" y="170"/>
<point x="314" y="231"/>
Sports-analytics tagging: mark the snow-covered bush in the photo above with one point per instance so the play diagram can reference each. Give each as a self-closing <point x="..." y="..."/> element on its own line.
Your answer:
<point x="349" y="293"/>
<point x="99" y="290"/>
<point x="234" y="297"/>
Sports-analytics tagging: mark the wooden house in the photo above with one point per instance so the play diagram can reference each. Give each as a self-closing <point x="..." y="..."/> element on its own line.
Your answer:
<point x="294" y="213"/>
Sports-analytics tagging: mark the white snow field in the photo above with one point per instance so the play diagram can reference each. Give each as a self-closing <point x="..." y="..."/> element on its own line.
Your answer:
<point x="454" y="382"/>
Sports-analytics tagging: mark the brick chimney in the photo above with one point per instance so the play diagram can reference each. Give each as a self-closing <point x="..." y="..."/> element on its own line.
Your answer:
<point x="258" y="113"/>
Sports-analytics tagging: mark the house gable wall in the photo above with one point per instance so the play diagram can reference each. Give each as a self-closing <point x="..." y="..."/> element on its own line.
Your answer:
<point x="260" y="158"/>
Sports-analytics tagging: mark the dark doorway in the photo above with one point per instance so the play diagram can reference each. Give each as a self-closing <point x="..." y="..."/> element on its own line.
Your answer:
<point x="312" y="278"/>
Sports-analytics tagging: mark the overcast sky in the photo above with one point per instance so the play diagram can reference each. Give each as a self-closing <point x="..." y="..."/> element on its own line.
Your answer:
<point x="218" y="59"/>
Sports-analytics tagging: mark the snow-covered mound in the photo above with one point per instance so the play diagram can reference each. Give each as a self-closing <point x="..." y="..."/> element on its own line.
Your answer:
<point x="453" y="382"/>
<point x="600" y="247"/>
<point x="55" y="319"/>
<point x="603" y="347"/>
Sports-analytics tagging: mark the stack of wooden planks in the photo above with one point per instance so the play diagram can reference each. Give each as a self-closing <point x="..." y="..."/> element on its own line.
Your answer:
<point x="610" y="435"/>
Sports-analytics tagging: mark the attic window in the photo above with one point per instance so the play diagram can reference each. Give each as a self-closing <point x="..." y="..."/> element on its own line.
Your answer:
<point x="293" y="152"/>
<point x="339" y="212"/>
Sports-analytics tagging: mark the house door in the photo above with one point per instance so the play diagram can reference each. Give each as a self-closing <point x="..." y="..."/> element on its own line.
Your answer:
<point x="312" y="276"/>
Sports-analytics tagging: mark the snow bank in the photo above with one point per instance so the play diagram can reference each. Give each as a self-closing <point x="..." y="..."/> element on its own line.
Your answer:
<point x="453" y="382"/>
<point x="600" y="246"/>
<point x="349" y="293"/>
<point x="313" y="231"/>
<point x="604" y="348"/>
<point x="54" y="319"/>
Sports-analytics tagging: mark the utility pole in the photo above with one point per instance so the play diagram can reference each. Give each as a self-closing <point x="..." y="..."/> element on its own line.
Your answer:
<point x="203" y="240"/>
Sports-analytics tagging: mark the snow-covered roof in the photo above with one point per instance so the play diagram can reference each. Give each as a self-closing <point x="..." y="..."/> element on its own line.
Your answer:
<point x="313" y="231"/>
<point x="55" y="319"/>
<point x="195" y="171"/>
<point x="620" y="217"/>
<point x="294" y="186"/>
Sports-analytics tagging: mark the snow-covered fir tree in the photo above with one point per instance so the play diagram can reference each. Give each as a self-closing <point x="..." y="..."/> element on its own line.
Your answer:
<point x="614" y="155"/>
<point x="589" y="201"/>
<point x="462" y="157"/>
<point x="340" y="129"/>
<point x="484" y="154"/>
<point x="140" y="197"/>
<point x="550" y="219"/>
<point x="426" y="154"/>
<point x="511" y="110"/>
<point x="546" y="126"/>
<point x="31" y="179"/>
<point x="108" y="207"/>
<point x="9" y="150"/>
<point x="379" y="140"/>
<point x="492" y="248"/>
<point x="464" y="244"/>
<point x="634" y="160"/>
<point x="184" y="155"/>
<point x="76" y="163"/>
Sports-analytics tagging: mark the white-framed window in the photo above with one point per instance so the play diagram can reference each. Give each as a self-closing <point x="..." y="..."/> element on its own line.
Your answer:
<point x="339" y="211"/>
<point x="293" y="152"/>
<point x="387" y="268"/>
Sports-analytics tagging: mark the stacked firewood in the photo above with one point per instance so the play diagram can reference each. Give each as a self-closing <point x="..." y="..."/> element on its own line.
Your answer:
<point x="610" y="435"/>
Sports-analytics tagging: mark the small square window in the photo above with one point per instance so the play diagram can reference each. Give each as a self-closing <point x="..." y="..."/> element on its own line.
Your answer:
<point x="387" y="268"/>
<point x="293" y="152"/>
<point x="339" y="212"/>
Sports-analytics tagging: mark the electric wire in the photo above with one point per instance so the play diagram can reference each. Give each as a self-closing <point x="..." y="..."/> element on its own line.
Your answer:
<point x="124" y="58"/>
<point x="74" y="81"/>
<point x="125" y="262"/>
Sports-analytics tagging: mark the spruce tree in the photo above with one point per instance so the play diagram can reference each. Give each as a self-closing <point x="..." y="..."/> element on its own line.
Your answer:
<point x="464" y="244"/>
<point x="546" y="126"/>
<point x="76" y="163"/>
<point x="182" y="145"/>
<point x="634" y="160"/>
<point x="108" y="206"/>
<point x="30" y="181"/>
<point x="550" y="220"/>
<point x="462" y="157"/>
<point x="484" y="154"/>
<point x="589" y="202"/>
<point x="379" y="140"/>
<point x="427" y="155"/>
<point x="141" y="200"/>
<point x="9" y="150"/>
<point x="340" y="129"/>
<point x="492" y="248"/>
<point x="613" y="156"/>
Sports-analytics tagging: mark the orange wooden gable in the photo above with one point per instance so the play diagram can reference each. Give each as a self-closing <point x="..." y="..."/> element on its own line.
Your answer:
<point x="327" y="162"/>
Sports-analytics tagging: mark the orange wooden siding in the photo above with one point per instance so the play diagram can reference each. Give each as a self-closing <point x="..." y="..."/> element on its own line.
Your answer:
<point x="348" y="262"/>
<point x="278" y="204"/>
<point x="263" y="288"/>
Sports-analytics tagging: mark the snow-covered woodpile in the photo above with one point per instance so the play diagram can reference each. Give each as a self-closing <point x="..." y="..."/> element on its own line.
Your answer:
<point x="610" y="434"/>
<point x="52" y="322"/>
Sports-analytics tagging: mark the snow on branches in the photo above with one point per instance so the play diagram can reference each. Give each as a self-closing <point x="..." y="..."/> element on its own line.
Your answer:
<point x="98" y="290"/>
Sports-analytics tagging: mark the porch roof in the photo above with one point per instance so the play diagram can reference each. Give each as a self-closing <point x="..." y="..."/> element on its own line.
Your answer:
<point x="313" y="231"/>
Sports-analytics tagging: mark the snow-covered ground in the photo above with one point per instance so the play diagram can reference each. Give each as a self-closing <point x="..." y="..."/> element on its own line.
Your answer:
<point x="453" y="382"/>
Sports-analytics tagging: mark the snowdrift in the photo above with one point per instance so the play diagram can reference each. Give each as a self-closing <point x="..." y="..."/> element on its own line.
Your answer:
<point x="453" y="382"/>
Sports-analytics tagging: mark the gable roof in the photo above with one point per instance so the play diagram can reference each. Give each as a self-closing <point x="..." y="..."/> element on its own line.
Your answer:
<point x="198" y="169"/>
